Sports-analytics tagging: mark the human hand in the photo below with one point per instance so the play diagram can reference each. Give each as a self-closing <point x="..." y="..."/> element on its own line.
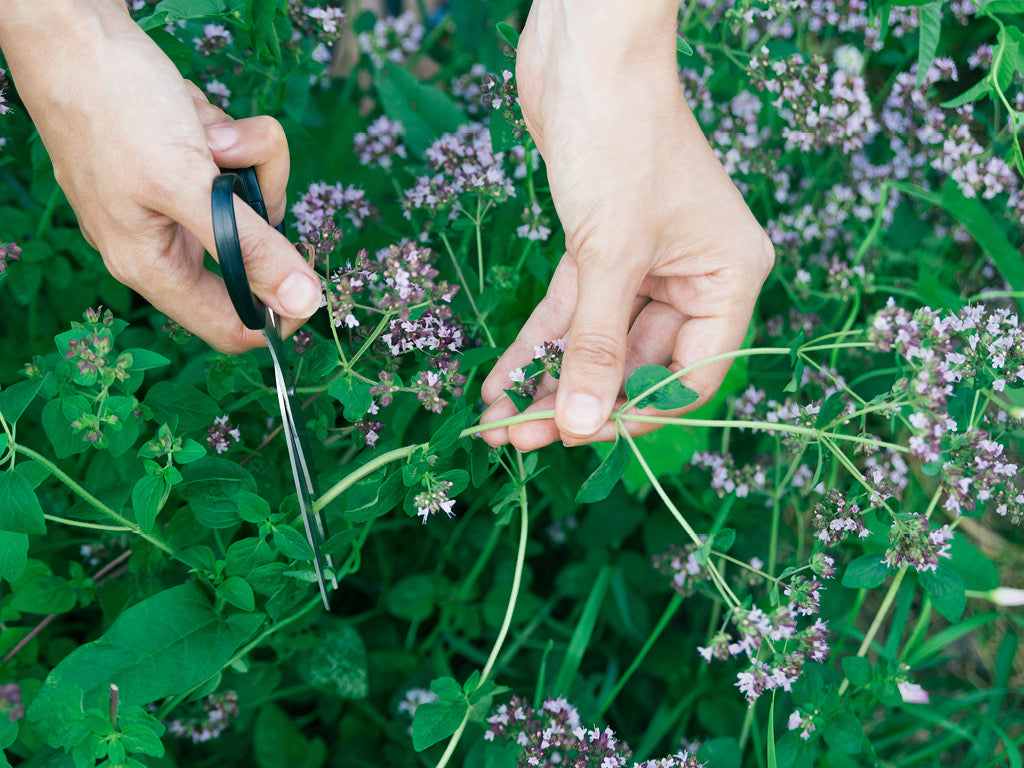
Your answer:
<point x="136" y="148"/>
<point x="664" y="261"/>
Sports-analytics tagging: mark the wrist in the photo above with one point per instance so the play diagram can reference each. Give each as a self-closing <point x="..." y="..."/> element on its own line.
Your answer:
<point x="597" y="45"/>
<point x="25" y="26"/>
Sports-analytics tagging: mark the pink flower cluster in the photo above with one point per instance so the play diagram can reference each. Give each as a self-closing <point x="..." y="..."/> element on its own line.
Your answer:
<point x="913" y="543"/>
<point x="554" y="737"/>
<point x="463" y="162"/>
<point x="393" y="39"/>
<point x="220" y="434"/>
<point x="381" y="142"/>
<point x="322" y="201"/>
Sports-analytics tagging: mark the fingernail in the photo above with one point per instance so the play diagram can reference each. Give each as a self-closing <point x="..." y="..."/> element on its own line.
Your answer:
<point x="582" y="414"/>
<point x="221" y="136"/>
<point x="299" y="295"/>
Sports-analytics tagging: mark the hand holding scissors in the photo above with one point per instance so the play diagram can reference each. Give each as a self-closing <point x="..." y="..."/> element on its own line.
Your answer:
<point x="256" y="316"/>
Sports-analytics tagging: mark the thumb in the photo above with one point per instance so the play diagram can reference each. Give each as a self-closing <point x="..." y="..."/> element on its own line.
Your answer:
<point x="595" y="351"/>
<point x="276" y="271"/>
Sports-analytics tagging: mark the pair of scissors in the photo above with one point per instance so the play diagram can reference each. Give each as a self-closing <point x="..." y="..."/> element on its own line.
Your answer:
<point x="255" y="315"/>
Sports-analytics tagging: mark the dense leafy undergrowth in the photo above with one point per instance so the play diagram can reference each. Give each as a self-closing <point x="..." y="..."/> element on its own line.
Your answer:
<point x="816" y="568"/>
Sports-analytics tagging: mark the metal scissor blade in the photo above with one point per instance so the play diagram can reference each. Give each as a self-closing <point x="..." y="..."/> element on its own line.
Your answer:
<point x="313" y="522"/>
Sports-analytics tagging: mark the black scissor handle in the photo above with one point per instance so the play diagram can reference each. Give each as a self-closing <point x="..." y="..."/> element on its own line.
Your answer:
<point x="251" y="311"/>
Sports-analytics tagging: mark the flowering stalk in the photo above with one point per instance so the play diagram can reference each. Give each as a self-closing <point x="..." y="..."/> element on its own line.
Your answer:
<point x="727" y="594"/>
<point x="524" y="518"/>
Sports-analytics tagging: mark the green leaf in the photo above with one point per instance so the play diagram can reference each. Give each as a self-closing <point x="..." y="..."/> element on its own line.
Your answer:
<point x="190" y="451"/>
<point x="146" y="497"/>
<point x="38" y="590"/>
<point x="843" y="732"/>
<point x="436" y="720"/>
<point x="449" y="432"/>
<point x="509" y="34"/>
<point x="246" y="555"/>
<point x="142" y="738"/>
<point x="1003" y="6"/>
<point x="977" y="91"/>
<point x="168" y="11"/>
<point x="144" y="359"/>
<point x="724" y="539"/>
<point x="866" y="572"/>
<point x="582" y="633"/>
<point x="411" y="598"/>
<point x="945" y="588"/>
<point x="338" y="662"/>
<point x="503" y="132"/>
<point x="978" y="572"/>
<point x="13" y="555"/>
<point x="986" y="231"/>
<point x="164" y="646"/>
<point x="17" y="397"/>
<point x="459" y="478"/>
<point x="292" y="544"/>
<point x="930" y="29"/>
<point x="857" y="669"/>
<point x="672" y="395"/>
<point x="236" y="590"/>
<point x="277" y="742"/>
<point x="521" y="402"/>
<point x="182" y="404"/>
<point x="353" y="394"/>
<point x="212" y="487"/>
<point x="683" y="47"/>
<point x="19" y="508"/>
<point x="721" y="753"/>
<point x="65" y="441"/>
<point x="426" y="112"/>
<point x="609" y="471"/>
<point x="389" y="495"/>
<point x="475" y="356"/>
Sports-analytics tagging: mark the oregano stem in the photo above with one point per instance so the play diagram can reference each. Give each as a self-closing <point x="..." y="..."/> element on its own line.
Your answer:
<point x="883" y="609"/>
<point x="371" y="466"/>
<point x="81" y="524"/>
<point x="757" y="351"/>
<point x="720" y="582"/>
<point x="509" y="611"/>
<point x="765" y="426"/>
<point x="88" y="497"/>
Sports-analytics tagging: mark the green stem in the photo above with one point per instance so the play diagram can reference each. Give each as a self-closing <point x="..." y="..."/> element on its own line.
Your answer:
<point x="766" y="426"/>
<point x="465" y="287"/>
<point x="92" y="500"/>
<point x="479" y="242"/>
<point x="883" y="609"/>
<point x="371" y="466"/>
<point x="666" y="616"/>
<point x="773" y="541"/>
<point x="372" y="338"/>
<point x="513" y="598"/>
<point x="717" y="358"/>
<point x="716" y="576"/>
<point x="876" y="225"/>
<point x="524" y="524"/>
<point x="80" y="524"/>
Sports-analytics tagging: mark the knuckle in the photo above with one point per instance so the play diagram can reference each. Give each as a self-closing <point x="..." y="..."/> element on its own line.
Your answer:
<point x="596" y="349"/>
<point x="764" y="254"/>
<point x="271" y="130"/>
<point x="235" y="342"/>
<point x="258" y="257"/>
